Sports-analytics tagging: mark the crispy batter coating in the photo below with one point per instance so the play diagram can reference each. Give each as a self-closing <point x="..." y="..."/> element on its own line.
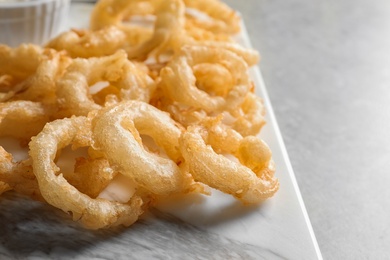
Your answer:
<point x="73" y="89"/>
<point x="86" y="44"/>
<point x="221" y="18"/>
<point x="15" y="114"/>
<point x="250" y="180"/>
<point x="92" y="213"/>
<point x="178" y="74"/>
<point x="154" y="100"/>
<point x="117" y="133"/>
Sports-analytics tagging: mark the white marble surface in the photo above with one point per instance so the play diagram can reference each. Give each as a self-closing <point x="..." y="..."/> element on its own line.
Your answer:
<point x="215" y="227"/>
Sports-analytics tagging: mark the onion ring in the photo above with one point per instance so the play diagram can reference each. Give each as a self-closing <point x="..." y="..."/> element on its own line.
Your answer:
<point x="73" y="88"/>
<point x="249" y="118"/>
<point x="41" y="86"/>
<point x="251" y="182"/>
<point x="178" y="74"/>
<point x="221" y="18"/>
<point x="19" y="63"/>
<point x="86" y="44"/>
<point x="115" y="12"/>
<point x="116" y="132"/>
<point x="250" y="56"/>
<point x="112" y="12"/>
<point x="92" y="213"/>
<point x="168" y="31"/>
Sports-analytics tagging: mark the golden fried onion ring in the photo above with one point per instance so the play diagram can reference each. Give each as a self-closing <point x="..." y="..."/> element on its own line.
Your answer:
<point x="19" y="63"/>
<point x="31" y="101"/>
<point x="179" y="83"/>
<point x="93" y="213"/>
<point x="249" y="117"/>
<point x="251" y="181"/>
<point x="73" y="93"/>
<point x="116" y="132"/>
<point x="40" y="86"/>
<point x="250" y="56"/>
<point x="221" y="18"/>
<point x="86" y="44"/>
<point x="115" y="12"/>
<point x="21" y="67"/>
<point x="168" y="31"/>
<point x="172" y="28"/>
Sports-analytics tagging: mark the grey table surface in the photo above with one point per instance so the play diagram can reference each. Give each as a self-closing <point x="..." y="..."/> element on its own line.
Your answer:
<point x="326" y="65"/>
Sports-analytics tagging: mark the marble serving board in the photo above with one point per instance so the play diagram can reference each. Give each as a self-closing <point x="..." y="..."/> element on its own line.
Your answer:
<point x="193" y="227"/>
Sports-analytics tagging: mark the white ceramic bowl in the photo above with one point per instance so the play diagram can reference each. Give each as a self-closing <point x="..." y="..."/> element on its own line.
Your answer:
<point x="31" y="21"/>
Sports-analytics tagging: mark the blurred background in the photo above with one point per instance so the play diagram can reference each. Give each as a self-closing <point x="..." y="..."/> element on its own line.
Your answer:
<point x="326" y="65"/>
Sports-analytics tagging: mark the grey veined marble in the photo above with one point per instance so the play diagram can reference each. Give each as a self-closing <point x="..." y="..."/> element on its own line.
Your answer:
<point x="32" y="230"/>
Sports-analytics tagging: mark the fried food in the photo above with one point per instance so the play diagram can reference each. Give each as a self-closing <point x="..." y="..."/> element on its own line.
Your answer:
<point x="168" y="31"/>
<point x="15" y="114"/>
<point x="117" y="13"/>
<point x="117" y="132"/>
<point x="212" y="81"/>
<point x="178" y="74"/>
<point x="220" y="17"/>
<point x="56" y="190"/>
<point x="18" y="63"/>
<point x="40" y="86"/>
<point x="125" y="79"/>
<point x="173" y="26"/>
<point x="248" y="119"/>
<point x="28" y="97"/>
<point x="86" y="44"/>
<point x="250" y="56"/>
<point x="249" y="180"/>
<point x="153" y="101"/>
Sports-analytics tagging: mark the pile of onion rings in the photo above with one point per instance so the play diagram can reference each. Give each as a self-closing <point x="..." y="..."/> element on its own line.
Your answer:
<point x="155" y="99"/>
